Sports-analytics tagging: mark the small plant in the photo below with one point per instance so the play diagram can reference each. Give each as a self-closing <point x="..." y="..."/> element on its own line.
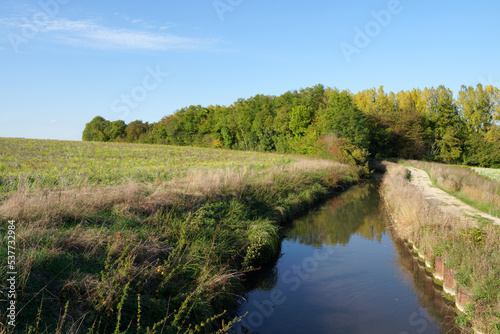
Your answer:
<point x="439" y="249"/>
<point x="473" y="235"/>
<point x="115" y="280"/>
<point x="463" y="319"/>
<point x="63" y="320"/>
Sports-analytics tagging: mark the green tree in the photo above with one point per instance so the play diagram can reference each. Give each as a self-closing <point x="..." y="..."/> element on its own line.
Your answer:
<point x="136" y="130"/>
<point x="300" y="119"/>
<point x="448" y="126"/>
<point x="96" y="130"/>
<point x="345" y="119"/>
<point x="479" y="107"/>
<point x="116" y="130"/>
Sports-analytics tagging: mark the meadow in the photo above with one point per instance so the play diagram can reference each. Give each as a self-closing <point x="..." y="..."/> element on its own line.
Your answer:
<point x="36" y="164"/>
<point x="119" y="238"/>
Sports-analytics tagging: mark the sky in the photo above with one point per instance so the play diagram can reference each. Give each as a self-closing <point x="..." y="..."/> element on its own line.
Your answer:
<point x="63" y="62"/>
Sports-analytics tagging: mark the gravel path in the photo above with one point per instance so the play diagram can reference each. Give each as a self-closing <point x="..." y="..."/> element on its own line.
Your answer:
<point x="448" y="203"/>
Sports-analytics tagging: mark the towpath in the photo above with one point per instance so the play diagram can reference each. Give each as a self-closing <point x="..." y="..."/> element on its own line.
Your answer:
<point x="448" y="203"/>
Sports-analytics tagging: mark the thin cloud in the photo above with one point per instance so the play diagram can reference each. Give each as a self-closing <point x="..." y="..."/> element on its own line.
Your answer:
<point x="167" y="25"/>
<point x="53" y="121"/>
<point x="89" y="34"/>
<point x="150" y="25"/>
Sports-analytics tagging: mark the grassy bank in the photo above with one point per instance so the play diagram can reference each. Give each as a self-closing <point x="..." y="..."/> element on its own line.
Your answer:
<point x="478" y="191"/>
<point x="148" y="255"/>
<point x="473" y="252"/>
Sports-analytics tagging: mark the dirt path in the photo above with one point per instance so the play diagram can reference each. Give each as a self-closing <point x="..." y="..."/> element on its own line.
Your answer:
<point x="448" y="203"/>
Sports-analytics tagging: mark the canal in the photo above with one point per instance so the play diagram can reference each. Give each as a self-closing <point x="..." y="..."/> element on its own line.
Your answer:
<point x="342" y="270"/>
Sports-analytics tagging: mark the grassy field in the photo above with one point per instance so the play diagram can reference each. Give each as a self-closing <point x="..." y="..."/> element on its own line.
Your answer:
<point x="471" y="251"/>
<point x="117" y="238"/>
<point x="491" y="173"/>
<point x="34" y="164"/>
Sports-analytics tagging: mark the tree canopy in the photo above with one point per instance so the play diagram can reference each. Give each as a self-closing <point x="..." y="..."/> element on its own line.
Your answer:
<point x="423" y="124"/>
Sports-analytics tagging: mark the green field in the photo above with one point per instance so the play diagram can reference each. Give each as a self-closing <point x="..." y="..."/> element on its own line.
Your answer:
<point x="64" y="164"/>
<point x="491" y="173"/>
<point x="119" y="238"/>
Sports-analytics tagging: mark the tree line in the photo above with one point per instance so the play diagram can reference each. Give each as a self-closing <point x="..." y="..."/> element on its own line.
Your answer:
<point x="428" y="124"/>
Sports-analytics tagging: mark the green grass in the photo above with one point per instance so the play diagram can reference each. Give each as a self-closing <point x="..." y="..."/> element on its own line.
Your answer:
<point x="146" y="253"/>
<point x="62" y="164"/>
<point x="481" y="220"/>
<point x="491" y="173"/>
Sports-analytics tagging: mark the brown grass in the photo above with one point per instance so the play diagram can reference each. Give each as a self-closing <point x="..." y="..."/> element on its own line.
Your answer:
<point x="412" y="212"/>
<point x="50" y="208"/>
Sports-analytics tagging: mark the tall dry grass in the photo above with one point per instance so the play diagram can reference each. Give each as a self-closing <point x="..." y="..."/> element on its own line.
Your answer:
<point x="43" y="212"/>
<point x="473" y="252"/>
<point x="477" y="190"/>
<point x="50" y="208"/>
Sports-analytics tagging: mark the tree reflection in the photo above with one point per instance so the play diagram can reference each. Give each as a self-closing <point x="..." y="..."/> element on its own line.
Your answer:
<point x="356" y="211"/>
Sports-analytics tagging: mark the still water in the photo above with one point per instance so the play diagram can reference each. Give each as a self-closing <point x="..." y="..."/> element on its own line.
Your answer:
<point x="341" y="271"/>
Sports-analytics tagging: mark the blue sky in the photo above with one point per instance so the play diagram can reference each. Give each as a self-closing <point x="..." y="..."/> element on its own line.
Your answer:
<point x="65" y="61"/>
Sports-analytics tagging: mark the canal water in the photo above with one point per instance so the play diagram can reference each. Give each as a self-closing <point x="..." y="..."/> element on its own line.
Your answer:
<point x="342" y="271"/>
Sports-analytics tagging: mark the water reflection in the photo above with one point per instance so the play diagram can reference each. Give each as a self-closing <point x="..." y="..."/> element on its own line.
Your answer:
<point x="335" y="222"/>
<point x="429" y="294"/>
<point x="340" y="272"/>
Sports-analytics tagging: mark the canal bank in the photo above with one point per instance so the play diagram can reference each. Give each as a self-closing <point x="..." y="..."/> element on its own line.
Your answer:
<point x="460" y="254"/>
<point x="340" y="271"/>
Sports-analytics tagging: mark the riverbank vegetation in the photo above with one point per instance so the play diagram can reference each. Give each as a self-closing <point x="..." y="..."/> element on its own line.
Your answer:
<point x="430" y="124"/>
<point x="468" y="248"/>
<point x="464" y="183"/>
<point x="148" y="239"/>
